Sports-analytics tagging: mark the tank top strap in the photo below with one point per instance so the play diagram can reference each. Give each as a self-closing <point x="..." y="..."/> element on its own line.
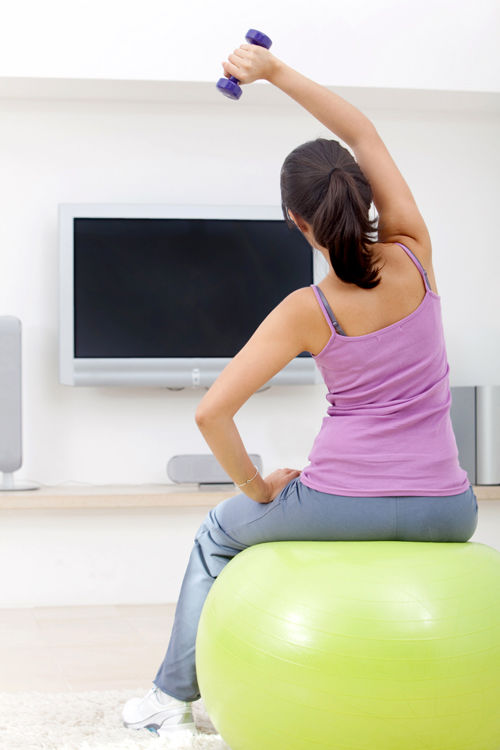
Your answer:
<point x="327" y="310"/>
<point x="417" y="263"/>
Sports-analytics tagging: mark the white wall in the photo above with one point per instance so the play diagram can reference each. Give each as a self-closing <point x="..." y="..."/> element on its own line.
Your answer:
<point x="435" y="44"/>
<point x="77" y="557"/>
<point x="55" y="151"/>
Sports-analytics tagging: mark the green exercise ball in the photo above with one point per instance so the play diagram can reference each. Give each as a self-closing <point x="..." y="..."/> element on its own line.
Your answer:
<point x="369" y="645"/>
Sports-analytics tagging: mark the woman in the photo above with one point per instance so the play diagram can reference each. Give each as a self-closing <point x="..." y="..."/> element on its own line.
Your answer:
<point x="384" y="464"/>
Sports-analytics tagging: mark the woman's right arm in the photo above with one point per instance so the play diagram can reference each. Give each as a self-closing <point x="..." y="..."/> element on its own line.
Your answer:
<point x="399" y="216"/>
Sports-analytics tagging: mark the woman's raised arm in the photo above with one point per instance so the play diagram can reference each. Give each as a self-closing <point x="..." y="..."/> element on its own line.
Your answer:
<point x="399" y="216"/>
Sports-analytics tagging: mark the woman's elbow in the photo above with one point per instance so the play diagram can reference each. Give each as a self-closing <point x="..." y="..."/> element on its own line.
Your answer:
<point x="200" y="417"/>
<point x="203" y="415"/>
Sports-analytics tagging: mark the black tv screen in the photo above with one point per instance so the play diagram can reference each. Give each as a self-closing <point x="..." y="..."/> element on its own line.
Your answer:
<point x="180" y="287"/>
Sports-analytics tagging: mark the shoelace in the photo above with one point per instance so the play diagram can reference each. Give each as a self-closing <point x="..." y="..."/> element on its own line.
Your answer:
<point x="157" y="692"/>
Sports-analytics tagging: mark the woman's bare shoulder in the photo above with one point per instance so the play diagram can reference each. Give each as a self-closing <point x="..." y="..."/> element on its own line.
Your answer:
<point x="423" y="251"/>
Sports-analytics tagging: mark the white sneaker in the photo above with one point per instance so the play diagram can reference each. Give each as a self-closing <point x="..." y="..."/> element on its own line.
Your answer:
<point x="160" y="716"/>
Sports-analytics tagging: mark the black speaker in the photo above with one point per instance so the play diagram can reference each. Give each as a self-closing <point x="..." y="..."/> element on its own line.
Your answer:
<point x="11" y="453"/>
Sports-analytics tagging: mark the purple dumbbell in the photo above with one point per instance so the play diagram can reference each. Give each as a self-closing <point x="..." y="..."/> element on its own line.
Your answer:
<point x="229" y="86"/>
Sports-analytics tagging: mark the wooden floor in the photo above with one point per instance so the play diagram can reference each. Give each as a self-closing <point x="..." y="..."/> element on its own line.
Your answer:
<point x="53" y="649"/>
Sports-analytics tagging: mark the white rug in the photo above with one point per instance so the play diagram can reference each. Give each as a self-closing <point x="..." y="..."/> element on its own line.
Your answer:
<point x="90" y="721"/>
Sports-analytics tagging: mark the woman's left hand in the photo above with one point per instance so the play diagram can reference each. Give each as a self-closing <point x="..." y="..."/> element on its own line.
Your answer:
<point x="277" y="480"/>
<point x="249" y="62"/>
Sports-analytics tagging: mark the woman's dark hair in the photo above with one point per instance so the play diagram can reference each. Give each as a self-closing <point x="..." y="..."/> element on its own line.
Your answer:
<point x="322" y="183"/>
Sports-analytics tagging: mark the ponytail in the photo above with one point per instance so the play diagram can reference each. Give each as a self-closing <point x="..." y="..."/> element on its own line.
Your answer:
<point x="335" y="201"/>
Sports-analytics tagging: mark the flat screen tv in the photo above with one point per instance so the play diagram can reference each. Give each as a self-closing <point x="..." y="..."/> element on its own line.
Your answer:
<point x="163" y="295"/>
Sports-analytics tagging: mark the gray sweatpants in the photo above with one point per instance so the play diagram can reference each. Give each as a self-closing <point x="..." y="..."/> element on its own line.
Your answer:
<point x="300" y="513"/>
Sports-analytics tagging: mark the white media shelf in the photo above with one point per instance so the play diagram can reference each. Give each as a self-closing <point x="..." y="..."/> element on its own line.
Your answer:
<point x="139" y="496"/>
<point x="115" y="496"/>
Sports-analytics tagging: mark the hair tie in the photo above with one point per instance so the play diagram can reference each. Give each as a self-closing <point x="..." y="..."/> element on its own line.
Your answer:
<point x="332" y="171"/>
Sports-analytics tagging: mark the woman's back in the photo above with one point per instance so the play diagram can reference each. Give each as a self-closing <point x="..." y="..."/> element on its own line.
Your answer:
<point x="361" y="311"/>
<point x="388" y="429"/>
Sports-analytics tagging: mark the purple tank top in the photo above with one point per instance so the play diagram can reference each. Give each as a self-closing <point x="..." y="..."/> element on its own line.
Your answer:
<point x="388" y="429"/>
